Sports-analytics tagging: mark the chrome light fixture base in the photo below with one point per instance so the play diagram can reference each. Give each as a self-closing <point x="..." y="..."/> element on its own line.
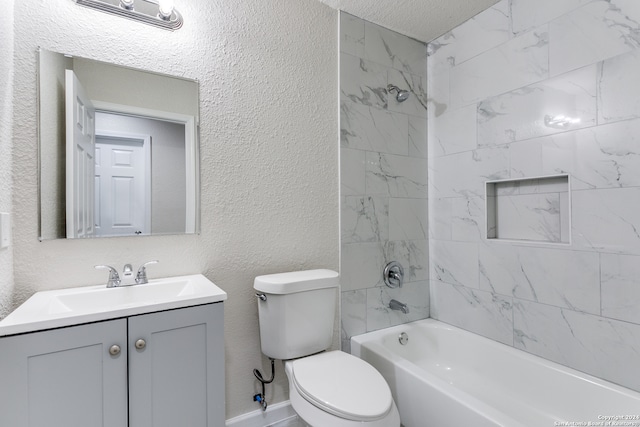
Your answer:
<point x="146" y="11"/>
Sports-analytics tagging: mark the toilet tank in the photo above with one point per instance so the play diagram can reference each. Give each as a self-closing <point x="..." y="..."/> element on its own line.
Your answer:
<point x="297" y="312"/>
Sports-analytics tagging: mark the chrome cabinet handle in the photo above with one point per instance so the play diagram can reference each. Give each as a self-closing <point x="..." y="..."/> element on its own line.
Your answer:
<point x="114" y="350"/>
<point x="141" y="344"/>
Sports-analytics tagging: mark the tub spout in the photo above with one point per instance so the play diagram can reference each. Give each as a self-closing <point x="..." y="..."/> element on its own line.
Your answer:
<point x="397" y="305"/>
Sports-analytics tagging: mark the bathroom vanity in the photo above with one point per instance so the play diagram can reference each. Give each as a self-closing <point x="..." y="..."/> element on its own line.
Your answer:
<point x="147" y="357"/>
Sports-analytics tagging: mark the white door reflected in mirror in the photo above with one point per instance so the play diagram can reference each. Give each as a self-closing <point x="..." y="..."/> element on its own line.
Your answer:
<point x="122" y="182"/>
<point x="80" y="124"/>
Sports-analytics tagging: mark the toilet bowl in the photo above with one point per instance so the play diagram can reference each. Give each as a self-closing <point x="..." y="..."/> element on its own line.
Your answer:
<point x="327" y="388"/>
<point x="336" y="389"/>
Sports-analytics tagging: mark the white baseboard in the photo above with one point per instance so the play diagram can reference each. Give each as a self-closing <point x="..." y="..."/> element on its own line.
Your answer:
<point x="274" y="414"/>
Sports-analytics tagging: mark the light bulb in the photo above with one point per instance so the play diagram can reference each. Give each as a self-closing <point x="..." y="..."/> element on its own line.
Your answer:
<point x="165" y="9"/>
<point x="127" y="4"/>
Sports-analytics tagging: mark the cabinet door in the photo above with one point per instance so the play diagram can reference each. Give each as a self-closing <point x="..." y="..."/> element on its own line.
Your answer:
<point x="176" y="378"/>
<point x="65" y="377"/>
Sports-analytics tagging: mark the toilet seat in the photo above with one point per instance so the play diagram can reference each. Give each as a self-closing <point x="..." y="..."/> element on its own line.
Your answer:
<point x="342" y="385"/>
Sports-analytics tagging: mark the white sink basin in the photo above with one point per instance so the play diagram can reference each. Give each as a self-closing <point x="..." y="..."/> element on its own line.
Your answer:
<point x="92" y="299"/>
<point x="65" y="307"/>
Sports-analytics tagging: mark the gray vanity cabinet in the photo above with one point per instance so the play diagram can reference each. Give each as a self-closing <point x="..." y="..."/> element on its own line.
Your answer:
<point x="177" y="377"/>
<point x="65" y="377"/>
<point x="151" y="370"/>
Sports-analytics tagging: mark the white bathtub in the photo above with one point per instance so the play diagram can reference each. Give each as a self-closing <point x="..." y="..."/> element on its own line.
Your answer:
<point x="448" y="377"/>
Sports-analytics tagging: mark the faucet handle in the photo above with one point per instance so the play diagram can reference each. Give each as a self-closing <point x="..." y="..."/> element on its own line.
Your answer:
<point x="393" y="274"/>
<point x="141" y="276"/>
<point x="114" y="277"/>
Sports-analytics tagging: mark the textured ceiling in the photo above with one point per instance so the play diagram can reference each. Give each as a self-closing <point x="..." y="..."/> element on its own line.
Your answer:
<point x="421" y="19"/>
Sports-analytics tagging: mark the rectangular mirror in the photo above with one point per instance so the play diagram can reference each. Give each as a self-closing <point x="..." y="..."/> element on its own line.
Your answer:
<point x="119" y="153"/>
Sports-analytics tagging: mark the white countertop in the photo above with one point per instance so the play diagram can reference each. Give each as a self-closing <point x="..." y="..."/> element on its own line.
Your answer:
<point x="74" y="306"/>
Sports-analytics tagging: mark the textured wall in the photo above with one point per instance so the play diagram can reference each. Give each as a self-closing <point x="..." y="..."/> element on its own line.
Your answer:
<point x="494" y="82"/>
<point x="6" y="120"/>
<point x="269" y="153"/>
<point x="383" y="182"/>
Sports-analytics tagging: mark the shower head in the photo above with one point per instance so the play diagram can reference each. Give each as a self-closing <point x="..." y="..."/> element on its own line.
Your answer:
<point x="401" y="95"/>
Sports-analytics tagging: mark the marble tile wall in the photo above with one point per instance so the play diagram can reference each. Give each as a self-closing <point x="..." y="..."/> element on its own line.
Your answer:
<point x="383" y="176"/>
<point x="496" y="84"/>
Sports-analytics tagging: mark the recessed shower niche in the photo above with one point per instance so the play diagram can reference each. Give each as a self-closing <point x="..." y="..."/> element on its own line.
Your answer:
<point x="529" y="209"/>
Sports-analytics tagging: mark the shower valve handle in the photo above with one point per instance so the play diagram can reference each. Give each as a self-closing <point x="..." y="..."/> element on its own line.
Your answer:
<point x="393" y="274"/>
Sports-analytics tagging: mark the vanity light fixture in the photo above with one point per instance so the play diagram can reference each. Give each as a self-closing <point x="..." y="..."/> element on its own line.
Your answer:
<point x="159" y="13"/>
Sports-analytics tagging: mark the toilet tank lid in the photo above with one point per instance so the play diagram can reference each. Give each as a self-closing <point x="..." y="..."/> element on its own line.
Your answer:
<point x="296" y="281"/>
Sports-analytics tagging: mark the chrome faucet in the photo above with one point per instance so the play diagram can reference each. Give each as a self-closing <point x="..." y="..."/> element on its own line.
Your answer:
<point x="397" y="305"/>
<point x="127" y="275"/>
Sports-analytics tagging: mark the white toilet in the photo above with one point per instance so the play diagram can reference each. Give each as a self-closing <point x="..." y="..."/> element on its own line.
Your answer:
<point x="326" y="389"/>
